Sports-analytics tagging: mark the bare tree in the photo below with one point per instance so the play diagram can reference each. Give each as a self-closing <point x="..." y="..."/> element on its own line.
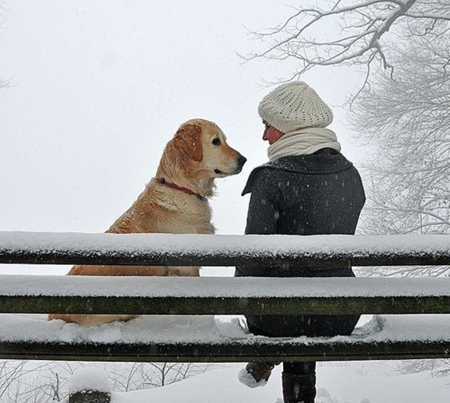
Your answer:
<point x="407" y="122"/>
<point x="9" y="373"/>
<point x="162" y="374"/>
<point x="351" y="32"/>
<point x="19" y="382"/>
<point x="47" y="382"/>
<point x="437" y="367"/>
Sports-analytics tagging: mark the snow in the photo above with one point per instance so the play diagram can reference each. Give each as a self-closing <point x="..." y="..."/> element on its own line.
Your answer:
<point x="158" y="328"/>
<point x="210" y="329"/>
<point x="336" y="383"/>
<point x="248" y="380"/>
<point x="223" y="287"/>
<point x="89" y="378"/>
<point x="231" y="245"/>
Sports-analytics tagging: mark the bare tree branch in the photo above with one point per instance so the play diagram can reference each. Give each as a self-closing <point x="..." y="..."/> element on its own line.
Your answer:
<point x="407" y="123"/>
<point x="349" y="33"/>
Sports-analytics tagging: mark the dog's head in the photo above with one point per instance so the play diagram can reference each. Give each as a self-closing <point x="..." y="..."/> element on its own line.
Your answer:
<point x="206" y="150"/>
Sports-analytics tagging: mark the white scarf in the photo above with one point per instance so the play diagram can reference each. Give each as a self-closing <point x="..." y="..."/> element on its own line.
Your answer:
<point x="302" y="142"/>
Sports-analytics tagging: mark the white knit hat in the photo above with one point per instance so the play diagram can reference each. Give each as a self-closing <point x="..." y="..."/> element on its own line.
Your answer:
<point x="294" y="106"/>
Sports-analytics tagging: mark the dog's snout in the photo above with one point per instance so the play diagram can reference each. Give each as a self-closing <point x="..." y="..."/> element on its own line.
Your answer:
<point x="241" y="160"/>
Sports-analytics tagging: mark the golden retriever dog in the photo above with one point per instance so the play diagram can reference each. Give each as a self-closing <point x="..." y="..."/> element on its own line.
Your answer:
<point x="175" y="201"/>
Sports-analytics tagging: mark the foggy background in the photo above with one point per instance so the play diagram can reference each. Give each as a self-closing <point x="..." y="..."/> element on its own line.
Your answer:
<point x="98" y="88"/>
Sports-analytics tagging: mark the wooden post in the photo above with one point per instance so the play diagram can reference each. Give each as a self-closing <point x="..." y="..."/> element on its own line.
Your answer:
<point x="90" y="396"/>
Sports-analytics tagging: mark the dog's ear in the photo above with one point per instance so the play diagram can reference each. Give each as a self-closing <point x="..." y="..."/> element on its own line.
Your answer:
<point x="188" y="139"/>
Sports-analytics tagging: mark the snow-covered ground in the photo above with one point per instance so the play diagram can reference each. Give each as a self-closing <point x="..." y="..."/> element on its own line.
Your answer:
<point x="360" y="382"/>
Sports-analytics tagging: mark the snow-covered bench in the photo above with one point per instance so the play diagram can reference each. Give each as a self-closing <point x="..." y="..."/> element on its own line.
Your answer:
<point x="186" y="319"/>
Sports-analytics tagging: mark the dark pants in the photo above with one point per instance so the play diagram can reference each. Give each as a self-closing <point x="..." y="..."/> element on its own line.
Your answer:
<point x="298" y="387"/>
<point x="302" y="325"/>
<point x="299" y="378"/>
<point x="300" y="367"/>
<point x="305" y="325"/>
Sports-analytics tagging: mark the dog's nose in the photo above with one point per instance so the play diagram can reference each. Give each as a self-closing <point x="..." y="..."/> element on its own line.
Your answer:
<point x="242" y="160"/>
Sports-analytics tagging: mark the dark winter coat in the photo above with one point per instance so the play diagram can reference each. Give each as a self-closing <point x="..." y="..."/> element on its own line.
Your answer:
<point x="314" y="194"/>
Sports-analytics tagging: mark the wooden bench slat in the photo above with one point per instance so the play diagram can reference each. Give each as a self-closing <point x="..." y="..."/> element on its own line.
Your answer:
<point x="199" y="339"/>
<point x="223" y="250"/>
<point x="222" y="296"/>
<point x="226" y="306"/>
<point x="231" y="351"/>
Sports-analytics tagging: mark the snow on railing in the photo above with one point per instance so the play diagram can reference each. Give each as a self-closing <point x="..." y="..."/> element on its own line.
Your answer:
<point x="222" y="250"/>
<point x="198" y="335"/>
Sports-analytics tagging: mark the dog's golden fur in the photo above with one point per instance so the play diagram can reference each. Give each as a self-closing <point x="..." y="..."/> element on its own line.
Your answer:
<point x="197" y="154"/>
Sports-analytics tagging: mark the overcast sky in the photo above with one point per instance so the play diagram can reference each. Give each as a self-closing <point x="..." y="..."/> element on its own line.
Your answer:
<point x="99" y="87"/>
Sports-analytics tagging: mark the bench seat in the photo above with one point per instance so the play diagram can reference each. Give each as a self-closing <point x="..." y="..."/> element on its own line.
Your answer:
<point x="206" y="338"/>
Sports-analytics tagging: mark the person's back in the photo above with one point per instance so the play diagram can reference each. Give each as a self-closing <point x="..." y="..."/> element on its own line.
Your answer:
<point x="307" y="188"/>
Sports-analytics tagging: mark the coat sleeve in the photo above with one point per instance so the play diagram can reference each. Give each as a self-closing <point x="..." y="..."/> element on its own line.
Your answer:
<point x="262" y="217"/>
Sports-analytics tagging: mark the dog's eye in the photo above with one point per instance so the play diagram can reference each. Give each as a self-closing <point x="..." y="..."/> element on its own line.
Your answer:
<point x="216" y="141"/>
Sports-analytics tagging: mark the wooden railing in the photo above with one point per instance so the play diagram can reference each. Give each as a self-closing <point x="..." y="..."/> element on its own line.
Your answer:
<point x="384" y="337"/>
